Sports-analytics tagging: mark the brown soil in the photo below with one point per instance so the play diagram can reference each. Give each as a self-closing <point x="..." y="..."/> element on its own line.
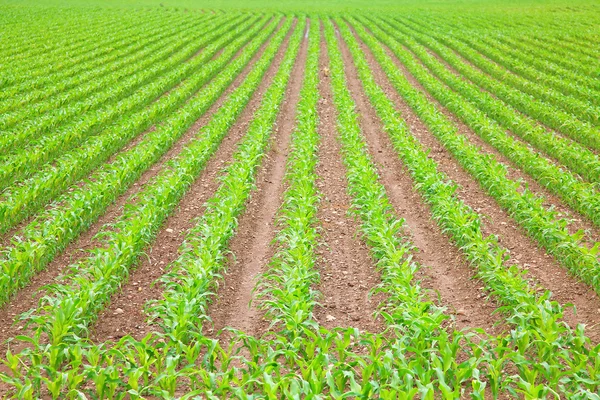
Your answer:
<point x="252" y="248"/>
<point x="125" y="314"/>
<point x="444" y="269"/>
<point x="524" y="251"/>
<point x="347" y="270"/>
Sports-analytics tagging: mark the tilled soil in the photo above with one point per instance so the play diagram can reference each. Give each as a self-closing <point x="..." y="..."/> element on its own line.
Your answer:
<point x="444" y="270"/>
<point x="27" y="298"/>
<point x="345" y="264"/>
<point x="577" y="220"/>
<point x="347" y="271"/>
<point x="251" y="249"/>
<point x="125" y="315"/>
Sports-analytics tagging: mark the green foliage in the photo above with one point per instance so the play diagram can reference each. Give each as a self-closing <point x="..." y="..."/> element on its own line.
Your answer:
<point x="82" y="119"/>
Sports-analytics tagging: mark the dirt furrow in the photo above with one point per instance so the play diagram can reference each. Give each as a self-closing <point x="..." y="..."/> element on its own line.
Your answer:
<point x="524" y="251"/>
<point x="27" y="298"/>
<point x="444" y="269"/>
<point x="125" y="314"/>
<point x="346" y="268"/>
<point x="252" y="247"/>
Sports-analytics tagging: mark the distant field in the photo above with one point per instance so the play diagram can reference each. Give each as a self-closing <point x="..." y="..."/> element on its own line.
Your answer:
<point x="309" y="200"/>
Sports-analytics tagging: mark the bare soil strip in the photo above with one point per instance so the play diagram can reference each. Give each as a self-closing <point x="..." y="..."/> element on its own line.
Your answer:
<point x="524" y="251"/>
<point x="444" y="269"/>
<point x="252" y="247"/>
<point x="28" y="297"/>
<point x="347" y="270"/>
<point x="125" y="314"/>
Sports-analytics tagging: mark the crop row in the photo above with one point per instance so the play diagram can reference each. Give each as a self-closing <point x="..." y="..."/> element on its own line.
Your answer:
<point x="75" y="211"/>
<point x="56" y="68"/>
<point x="285" y="290"/>
<point x="21" y="200"/>
<point x="162" y="195"/>
<point x="581" y="196"/>
<point x="570" y="153"/>
<point x="18" y="107"/>
<point x="532" y="98"/>
<point x="527" y="209"/>
<point x="56" y="64"/>
<point x="122" y="79"/>
<point x="154" y="82"/>
<point x="537" y="331"/>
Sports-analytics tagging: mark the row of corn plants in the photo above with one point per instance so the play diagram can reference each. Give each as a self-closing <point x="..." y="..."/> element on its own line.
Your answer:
<point x="20" y="200"/>
<point x="222" y="210"/>
<point x="582" y="109"/>
<point x="570" y="153"/>
<point x="543" y="59"/>
<point x="23" y="161"/>
<point x="76" y="210"/>
<point x="285" y="290"/>
<point x="116" y="66"/>
<point x="527" y="209"/>
<point x="192" y="277"/>
<point x="51" y="64"/>
<point x="581" y="196"/>
<point x="42" y="118"/>
<point x="125" y="42"/>
<point x="532" y="98"/>
<point x="587" y="90"/>
<point x="549" y="107"/>
<point x="31" y="55"/>
<point x="537" y="330"/>
<point x="427" y="354"/>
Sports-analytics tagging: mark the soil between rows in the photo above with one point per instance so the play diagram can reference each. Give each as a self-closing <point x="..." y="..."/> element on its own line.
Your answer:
<point x="444" y="269"/>
<point x="577" y="220"/>
<point x="125" y="315"/>
<point x="344" y="262"/>
<point x="347" y="271"/>
<point x="251" y="248"/>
